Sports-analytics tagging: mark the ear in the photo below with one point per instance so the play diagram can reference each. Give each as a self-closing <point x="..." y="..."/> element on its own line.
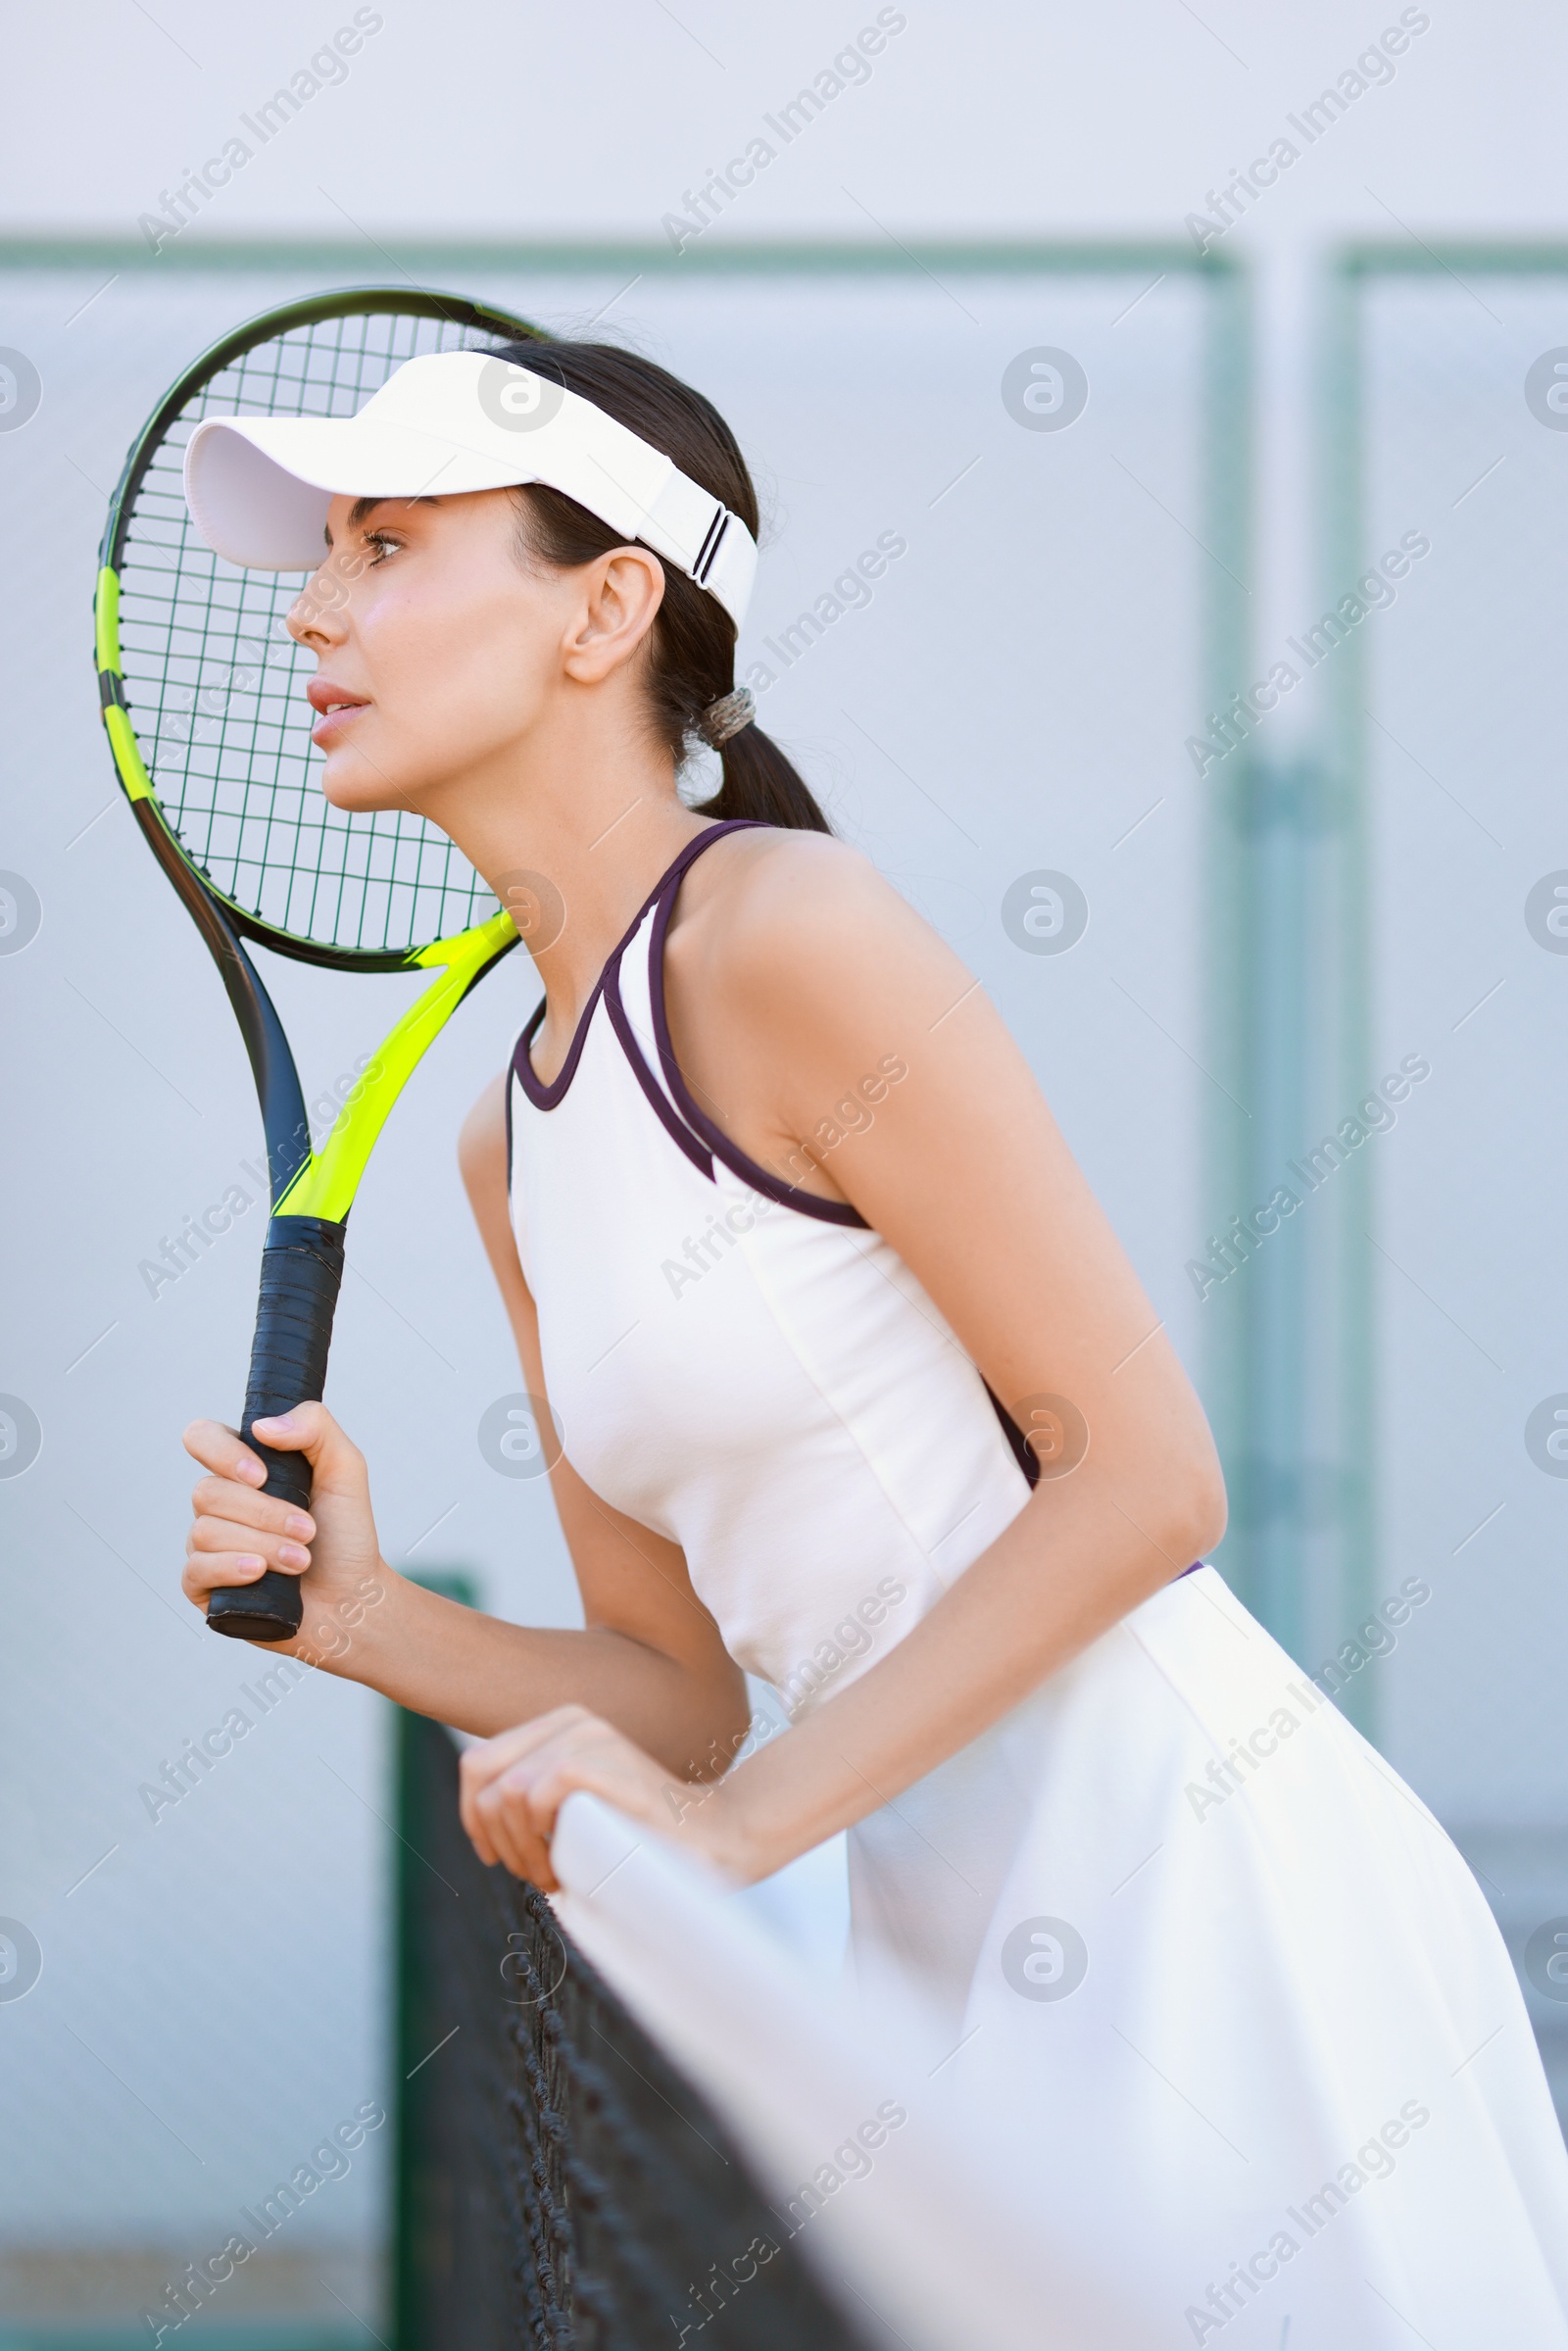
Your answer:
<point x="623" y="591"/>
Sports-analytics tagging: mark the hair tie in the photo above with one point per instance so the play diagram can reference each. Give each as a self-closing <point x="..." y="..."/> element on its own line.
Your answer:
<point x="726" y="716"/>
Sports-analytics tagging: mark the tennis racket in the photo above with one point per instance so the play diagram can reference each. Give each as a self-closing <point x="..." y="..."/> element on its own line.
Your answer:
<point x="203" y="694"/>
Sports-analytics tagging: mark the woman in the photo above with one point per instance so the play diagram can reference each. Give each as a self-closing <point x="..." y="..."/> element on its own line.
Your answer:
<point x="854" y="1389"/>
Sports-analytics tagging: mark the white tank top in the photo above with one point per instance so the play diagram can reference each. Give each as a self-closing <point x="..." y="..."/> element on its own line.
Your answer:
<point x="746" y="1368"/>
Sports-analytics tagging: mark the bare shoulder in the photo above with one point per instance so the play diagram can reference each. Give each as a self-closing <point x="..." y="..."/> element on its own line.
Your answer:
<point x="797" y="972"/>
<point x="801" y="922"/>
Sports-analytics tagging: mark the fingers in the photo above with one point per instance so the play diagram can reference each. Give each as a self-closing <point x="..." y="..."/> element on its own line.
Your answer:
<point x="307" y="1429"/>
<point x="243" y="1506"/>
<point x="222" y="1550"/>
<point x="237" y="1533"/>
<point x="513" y="1786"/>
<point x="219" y="1448"/>
<point x="337" y="1466"/>
<point x="483" y="1763"/>
<point x="488" y="1757"/>
<point x="214" y="1534"/>
<point x="226" y="1544"/>
<point x="515" y="1834"/>
<point x="207" y="1572"/>
<point x="240" y="1531"/>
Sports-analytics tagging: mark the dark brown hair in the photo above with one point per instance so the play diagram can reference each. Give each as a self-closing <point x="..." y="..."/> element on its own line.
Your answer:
<point x="692" y="643"/>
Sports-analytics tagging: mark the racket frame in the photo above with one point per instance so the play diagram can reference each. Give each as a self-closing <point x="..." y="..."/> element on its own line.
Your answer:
<point x="311" y="1190"/>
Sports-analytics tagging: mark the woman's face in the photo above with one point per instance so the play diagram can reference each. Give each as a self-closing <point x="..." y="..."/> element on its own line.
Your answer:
<point x="442" y="649"/>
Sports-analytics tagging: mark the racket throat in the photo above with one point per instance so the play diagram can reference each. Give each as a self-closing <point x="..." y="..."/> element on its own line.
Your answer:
<point x="284" y="1122"/>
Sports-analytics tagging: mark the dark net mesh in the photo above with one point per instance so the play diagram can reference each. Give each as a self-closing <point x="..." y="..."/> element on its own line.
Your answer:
<point x="216" y="685"/>
<point x="560" y="2184"/>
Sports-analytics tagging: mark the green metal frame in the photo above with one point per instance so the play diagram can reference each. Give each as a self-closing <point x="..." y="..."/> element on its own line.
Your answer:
<point x="1229" y="1369"/>
<point x="820" y="258"/>
<point x="1337" y="983"/>
<point x="1340" y="968"/>
<point x="1290" y="1398"/>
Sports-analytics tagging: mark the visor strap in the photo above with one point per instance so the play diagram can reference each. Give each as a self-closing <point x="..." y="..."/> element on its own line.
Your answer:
<point x="690" y="526"/>
<point x="711" y="543"/>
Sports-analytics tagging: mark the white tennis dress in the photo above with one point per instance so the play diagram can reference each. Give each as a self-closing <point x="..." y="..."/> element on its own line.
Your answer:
<point x="1278" y="2082"/>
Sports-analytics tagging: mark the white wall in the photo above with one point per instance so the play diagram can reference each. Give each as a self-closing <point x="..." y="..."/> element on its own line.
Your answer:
<point x="984" y="121"/>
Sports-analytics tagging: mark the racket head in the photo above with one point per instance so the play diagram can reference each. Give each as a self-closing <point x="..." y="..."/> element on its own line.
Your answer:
<point x="204" y="689"/>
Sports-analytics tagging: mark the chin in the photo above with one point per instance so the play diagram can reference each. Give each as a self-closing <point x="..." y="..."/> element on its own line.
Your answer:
<point x="361" y="790"/>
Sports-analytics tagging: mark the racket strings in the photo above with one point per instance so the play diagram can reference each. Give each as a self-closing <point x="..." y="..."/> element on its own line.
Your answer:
<point x="216" y="685"/>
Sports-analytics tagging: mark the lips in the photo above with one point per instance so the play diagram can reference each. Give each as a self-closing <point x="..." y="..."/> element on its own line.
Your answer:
<point x="338" y="708"/>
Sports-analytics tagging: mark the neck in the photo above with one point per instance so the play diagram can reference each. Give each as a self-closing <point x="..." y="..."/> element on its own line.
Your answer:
<point x="572" y="843"/>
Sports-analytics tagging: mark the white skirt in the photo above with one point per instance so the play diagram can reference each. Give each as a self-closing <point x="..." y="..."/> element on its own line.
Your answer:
<point x="1277" y="2066"/>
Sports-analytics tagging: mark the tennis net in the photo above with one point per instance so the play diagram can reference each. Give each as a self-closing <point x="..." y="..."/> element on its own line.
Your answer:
<point x="560" y="2183"/>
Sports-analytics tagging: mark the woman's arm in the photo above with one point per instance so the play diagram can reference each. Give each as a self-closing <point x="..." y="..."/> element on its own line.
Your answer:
<point x="787" y="986"/>
<point x="650" y="1660"/>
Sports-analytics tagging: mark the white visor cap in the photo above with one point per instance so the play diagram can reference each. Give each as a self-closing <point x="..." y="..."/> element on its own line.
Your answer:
<point x="259" y="487"/>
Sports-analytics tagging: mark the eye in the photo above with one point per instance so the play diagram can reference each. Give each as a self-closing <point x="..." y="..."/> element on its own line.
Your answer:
<point x="384" y="544"/>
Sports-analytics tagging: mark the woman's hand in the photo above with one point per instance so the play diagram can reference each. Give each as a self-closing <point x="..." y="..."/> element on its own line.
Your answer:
<point x="514" y="1786"/>
<point x="238" y="1531"/>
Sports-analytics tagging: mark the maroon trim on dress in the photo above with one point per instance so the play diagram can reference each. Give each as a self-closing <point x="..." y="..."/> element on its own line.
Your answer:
<point x="546" y="1098"/>
<point x="790" y="1195"/>
<point x="543" y="1097"/>
<point x="701" y="1159"/>
<point x="1024" y="1452"/>
<point x="507" y="1100"/>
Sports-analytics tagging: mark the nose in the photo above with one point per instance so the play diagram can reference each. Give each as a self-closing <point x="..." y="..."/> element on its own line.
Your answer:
<point x="318" y="616"/>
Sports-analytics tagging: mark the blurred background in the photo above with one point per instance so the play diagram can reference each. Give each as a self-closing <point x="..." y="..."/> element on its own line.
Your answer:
<point x="1209" y="371"/>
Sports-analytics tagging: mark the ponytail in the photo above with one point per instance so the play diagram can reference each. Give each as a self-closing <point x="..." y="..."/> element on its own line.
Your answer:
<point x="692" y="642"/>
<point x="760" y="781"/>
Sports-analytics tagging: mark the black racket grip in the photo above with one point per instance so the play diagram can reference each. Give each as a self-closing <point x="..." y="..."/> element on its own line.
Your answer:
<point x="301" y="1267"/>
